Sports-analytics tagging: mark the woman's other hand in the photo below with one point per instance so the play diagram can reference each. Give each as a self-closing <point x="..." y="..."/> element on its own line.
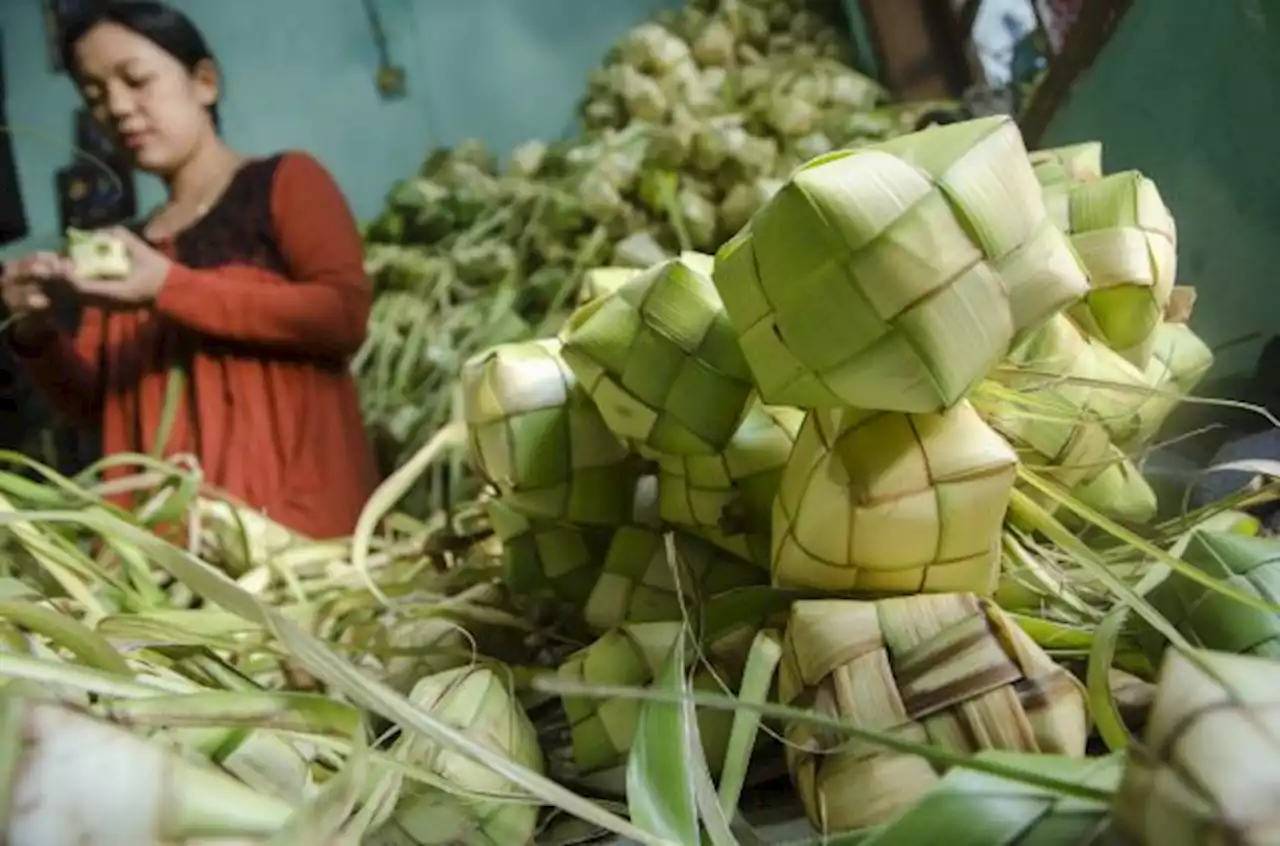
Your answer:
<point x="22" y="286"/>
<point x="148" y="268"/>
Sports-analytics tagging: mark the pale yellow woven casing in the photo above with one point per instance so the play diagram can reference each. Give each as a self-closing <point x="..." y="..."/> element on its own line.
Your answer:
<point x="890" y="502"/>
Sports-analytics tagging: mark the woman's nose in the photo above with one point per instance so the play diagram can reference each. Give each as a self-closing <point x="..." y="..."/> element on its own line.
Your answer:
<point x="119" y="101"/>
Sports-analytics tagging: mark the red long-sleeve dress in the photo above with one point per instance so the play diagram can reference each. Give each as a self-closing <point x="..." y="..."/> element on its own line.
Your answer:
<point x="266" y="303"/>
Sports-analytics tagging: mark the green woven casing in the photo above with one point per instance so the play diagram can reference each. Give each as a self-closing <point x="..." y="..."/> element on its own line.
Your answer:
<point x="661" y="362"/>
<point x="895" y="276"/>
<point x="1179" y="360"/>
<point x="478" y="703"/>
<point x="1060" y="364"/>
<point x="549" y="557"/>
<point x="1209" y="619"/>
<point x="1127" y="241"/>
<point x="1051" y="437"/>
<point x="535" y="435"/>
<point x="885" y="502"/>
<point x="602" y="281"/>
<point x="734" y="490"/>
<point x="639" y="584"/>
<point x="1119" y="491"/>
<point x="1072" y="163"/>
<point x="601" y="730"/>
<point x="1178" y="357"/>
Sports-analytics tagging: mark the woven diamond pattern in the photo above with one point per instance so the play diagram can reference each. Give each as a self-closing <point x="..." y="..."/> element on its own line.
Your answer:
<point x="660" y="360"/>
<point x="536" y="435"/>
<point x="887" y="502"/>
<point x="895" y="276"/>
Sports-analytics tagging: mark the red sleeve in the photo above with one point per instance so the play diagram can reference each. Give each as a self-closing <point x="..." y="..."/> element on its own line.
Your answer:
<point x="321" y="309"/>
<point x="68" y="370"/>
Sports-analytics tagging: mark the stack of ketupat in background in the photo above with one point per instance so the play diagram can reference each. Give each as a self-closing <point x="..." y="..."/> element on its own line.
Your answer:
<point x="687" y="128"/>
<point x="845" y="518"/>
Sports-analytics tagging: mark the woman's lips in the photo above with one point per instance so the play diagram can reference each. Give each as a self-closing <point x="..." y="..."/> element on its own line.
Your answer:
<point x="133" y="140"/>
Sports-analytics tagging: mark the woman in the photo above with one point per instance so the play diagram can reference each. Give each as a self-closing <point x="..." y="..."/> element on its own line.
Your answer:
<point x="249" y="280"/>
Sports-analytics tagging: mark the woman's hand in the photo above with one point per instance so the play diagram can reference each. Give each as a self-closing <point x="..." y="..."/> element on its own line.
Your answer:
<point x="22" y="283"/>
<point x="148" y="268"/>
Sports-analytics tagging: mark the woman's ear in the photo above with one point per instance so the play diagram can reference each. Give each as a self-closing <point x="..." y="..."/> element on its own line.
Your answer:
<point x="208" y="82"/>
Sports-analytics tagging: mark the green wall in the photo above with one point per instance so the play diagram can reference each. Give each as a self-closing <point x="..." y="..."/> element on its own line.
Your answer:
<point x="1189" y="92"/>
<point x="300" y="73"/>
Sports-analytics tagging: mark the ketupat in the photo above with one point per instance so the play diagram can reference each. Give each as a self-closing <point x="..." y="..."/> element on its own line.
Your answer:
<point x="1209" y="619"/>
<point x="1062" y="366"/>
<point x="1179" y="357"/>
<point x="997" y="811"/>
<point x="537" y="436"/>
<point x="1119" y="491"/>
<point x="403" y="648"/>
<point x="731" y="492"/>
<point x="975" y="162"/>
<point x="1179" y="360"/>
<point x="1076" y="385"/>
<point x="660" y="360"/>
<point x="601" y="730"/>
<point x="1072" y="163"/>
<point x="895" y="276"/>
<point x="548" y="557"/>
<point x="481" y="807"/>
<point x="98" y="255"/>
<point x="602" y="281"/>
<point x="619" y="193"/>
<point x="947" y="669"/>
<point x="620" y="574"/>
<point x="1127" y="241"/>
<point x="889" y="502"/>
<point x="638" y="583"/>
<point x="239" y="538"/>
<point x="1206" y="772"/>
<point x="1050" y="436"/>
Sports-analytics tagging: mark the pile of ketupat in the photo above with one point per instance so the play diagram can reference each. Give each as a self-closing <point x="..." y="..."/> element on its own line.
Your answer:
<point x="687" y="128"/>
<point x="938" y="340"/>
<point x="874" y="398"/>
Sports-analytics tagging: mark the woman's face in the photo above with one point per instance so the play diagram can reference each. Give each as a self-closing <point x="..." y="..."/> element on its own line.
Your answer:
<point x="157" y="109"/>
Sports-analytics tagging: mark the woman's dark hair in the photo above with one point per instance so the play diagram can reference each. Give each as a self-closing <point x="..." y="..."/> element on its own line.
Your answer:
<point x="165" y="27"/>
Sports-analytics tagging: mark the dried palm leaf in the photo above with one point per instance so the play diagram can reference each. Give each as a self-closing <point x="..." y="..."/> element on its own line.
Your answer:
<point x="950" y="669"/>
